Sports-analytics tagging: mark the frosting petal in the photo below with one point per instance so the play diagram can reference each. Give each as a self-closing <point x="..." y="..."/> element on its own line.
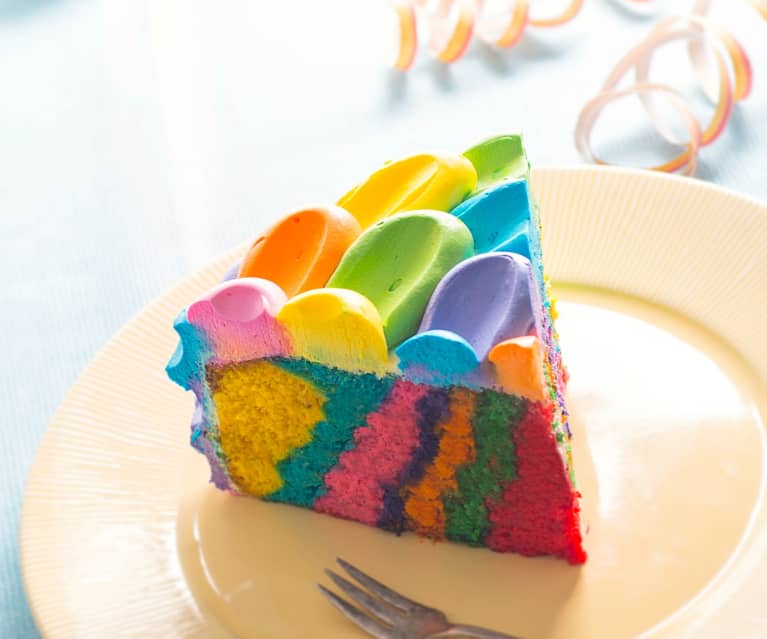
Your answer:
<point x="336" y="327"/>
<point x="397" y="263"/>
<point x="519" y="367"/>
<point x="498" y="158"/>
<point x="237" y="318"/>
<point x="302" y="250"/>
<point x="437" y="357"/>
<point x="485" y="299"/>
<point x="499" y="219"/>
<point x="426" y="181"/>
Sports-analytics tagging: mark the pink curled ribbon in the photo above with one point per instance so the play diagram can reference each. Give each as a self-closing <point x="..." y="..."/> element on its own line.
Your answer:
<point x="726" y="78"/>
<point x="450" y="25"/>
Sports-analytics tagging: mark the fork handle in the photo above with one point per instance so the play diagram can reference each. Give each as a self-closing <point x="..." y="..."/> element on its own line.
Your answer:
<point x="460" y="630"/>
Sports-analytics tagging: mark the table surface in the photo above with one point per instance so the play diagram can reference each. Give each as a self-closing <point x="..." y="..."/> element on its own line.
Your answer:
<point x="141" y="139"/>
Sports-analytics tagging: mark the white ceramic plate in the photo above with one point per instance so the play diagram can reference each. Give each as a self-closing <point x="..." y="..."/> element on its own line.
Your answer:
<point x="662" y="287"/>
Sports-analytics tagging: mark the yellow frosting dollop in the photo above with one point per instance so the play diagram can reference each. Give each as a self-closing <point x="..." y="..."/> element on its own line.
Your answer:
<point x="426" y="181"/>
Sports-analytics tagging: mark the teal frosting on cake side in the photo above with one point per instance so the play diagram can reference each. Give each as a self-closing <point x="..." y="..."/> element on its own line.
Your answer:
<point x="185" y="365"/>
<point x="304" y="471"/>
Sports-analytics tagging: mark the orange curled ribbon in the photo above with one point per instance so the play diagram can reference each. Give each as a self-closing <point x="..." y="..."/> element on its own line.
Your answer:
<point x="408" y="37"/>
<point x="451" y="25"/>
<point x="451" y="28"/>
<point x="570" y="12"/>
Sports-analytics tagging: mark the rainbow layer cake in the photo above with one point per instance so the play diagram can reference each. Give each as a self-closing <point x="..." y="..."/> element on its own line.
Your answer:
<point x="392" y="360"/>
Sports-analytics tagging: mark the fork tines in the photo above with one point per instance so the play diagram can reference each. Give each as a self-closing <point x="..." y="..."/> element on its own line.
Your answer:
<point x="379" y="613"/>
<point x="386" y="614"/>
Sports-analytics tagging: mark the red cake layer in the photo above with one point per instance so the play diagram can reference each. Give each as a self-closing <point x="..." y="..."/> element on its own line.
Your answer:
<point x="538" y="513"/>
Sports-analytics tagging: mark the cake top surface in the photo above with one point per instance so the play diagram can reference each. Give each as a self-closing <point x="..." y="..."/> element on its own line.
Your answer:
<point x="428" y="268"/>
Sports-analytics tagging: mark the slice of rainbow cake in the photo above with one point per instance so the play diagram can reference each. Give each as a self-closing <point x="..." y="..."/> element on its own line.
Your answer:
<point x="392" y="360"/>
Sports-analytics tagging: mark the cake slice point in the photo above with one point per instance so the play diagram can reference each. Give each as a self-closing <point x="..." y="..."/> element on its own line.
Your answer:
<point x="498" y="159"/>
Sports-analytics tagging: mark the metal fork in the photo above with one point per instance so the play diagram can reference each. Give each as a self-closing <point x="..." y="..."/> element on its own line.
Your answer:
<point x="386" y="614"/>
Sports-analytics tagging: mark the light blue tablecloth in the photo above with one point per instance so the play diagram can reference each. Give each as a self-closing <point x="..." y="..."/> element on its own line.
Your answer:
<point x="140" y="138"/>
